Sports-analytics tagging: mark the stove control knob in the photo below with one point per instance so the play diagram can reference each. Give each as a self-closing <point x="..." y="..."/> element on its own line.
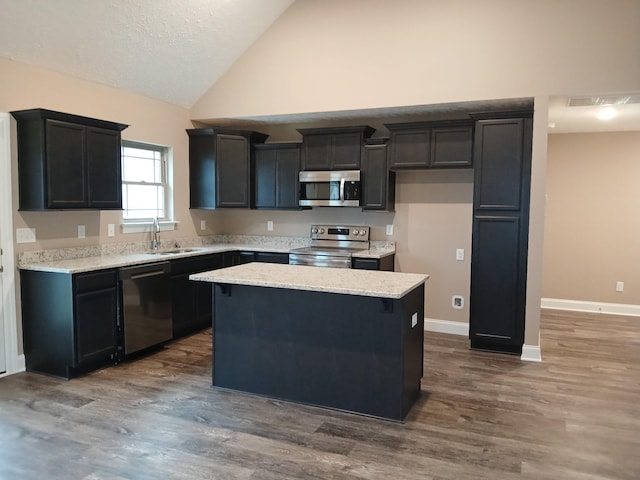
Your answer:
<point x="314" y="230"/>
<point x="322" y="230"/>
<point x="363" y="232"/>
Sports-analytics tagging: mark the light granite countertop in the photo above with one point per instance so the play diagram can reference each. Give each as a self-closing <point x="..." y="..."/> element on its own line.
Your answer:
<point x="369" y="283"/>
<point x="57" y="263"/>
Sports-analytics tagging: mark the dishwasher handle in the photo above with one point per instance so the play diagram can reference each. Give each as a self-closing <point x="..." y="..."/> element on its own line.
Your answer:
<point x="149" y="274"/>
<point x="142" y="271"/>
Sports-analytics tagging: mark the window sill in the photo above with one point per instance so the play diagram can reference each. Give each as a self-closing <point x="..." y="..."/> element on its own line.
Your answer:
<point x="142" y="227"/>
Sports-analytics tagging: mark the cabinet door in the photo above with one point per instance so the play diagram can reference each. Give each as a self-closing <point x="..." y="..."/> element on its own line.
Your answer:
<point x="265" y="178"/>
<point x="287" y="183"/>
<point x="182" y="304"/>
<point x="378" y="181"/>
<point x="451" y="147"/>
<point x="346" y="151"/>
<point x="191" y="301"/>
<point x="410" y="148"/>
<point x="497" y="283"/>
<point x="316" y="152"/>
<point x="96" y="325"/>
<point x="232" y="171"/>
<point x="202" y="171"/>
<point x="65" y="165"/>
<point x="104" y="168"/>
<point x="499" y="153"/>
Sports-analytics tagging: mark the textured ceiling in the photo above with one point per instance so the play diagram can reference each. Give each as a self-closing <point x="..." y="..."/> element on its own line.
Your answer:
<point x="172" y="50"/>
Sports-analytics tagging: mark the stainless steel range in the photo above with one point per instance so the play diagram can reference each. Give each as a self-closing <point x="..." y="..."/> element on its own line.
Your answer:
<point x="331" y="246"/>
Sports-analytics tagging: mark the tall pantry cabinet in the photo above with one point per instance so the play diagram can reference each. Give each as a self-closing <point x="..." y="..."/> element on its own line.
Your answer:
<point x="502" y="178"/>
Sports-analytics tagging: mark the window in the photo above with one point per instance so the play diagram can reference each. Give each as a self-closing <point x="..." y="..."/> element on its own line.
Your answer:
<point x="145" y="187"/>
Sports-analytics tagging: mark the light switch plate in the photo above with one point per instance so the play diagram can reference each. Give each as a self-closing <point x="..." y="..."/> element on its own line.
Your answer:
<point x="270" y="226"/>
<point x="459" y="254"/>
<point x="111" y="230"/>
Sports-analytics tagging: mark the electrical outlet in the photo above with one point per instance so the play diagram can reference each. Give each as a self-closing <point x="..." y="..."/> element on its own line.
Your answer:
<point x="203" y="224"/>
<point x="619" y="286"/>
<point x="457" y="302"/>
<point x="81" y="231"/>
<point x="270" y="226"/>
<point x="111" y="230"/>
<point x="25" y="235"/>
<point x="390" y="229"/>
<point x="459" y="254"/>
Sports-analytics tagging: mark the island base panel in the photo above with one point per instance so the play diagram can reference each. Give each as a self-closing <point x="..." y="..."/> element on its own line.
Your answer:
<point x="355" y="353"/>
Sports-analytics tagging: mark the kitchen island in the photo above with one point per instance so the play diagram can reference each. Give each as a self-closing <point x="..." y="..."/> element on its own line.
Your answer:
<point x="339" y="338"/>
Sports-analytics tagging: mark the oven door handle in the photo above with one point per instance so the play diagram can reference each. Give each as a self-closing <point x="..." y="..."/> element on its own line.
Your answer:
<point x="342" y="189"/>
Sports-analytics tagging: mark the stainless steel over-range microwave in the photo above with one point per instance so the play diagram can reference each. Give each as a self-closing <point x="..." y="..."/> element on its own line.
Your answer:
<point x="330" y="188"/>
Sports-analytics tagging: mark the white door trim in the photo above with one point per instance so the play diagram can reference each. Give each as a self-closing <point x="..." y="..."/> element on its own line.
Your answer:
<point x="15" y="363"/>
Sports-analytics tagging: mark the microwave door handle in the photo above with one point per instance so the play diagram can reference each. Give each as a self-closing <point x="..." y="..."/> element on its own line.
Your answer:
<point x="342" y="189"/>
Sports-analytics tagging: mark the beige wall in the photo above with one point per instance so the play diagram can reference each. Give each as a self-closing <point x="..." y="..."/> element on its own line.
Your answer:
<point x="361" y="54"/>
<point x="592" y="230"/>
<point x="343" y="55"/>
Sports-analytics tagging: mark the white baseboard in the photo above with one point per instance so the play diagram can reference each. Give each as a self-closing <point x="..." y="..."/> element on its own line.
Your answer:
<point x="446" y="326"/>
<point x="531" y="353"/>
<point x="593" y="307"/>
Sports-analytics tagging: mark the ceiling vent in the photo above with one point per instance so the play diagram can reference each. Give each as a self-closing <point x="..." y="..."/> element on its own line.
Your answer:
<point x="603" y="100"/>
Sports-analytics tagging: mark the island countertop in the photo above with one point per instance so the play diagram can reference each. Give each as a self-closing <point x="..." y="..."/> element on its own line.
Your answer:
<point x="369" y="283"/>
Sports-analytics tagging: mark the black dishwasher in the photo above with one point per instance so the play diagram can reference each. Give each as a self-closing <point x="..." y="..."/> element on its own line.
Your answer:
<point x="146" y="313"/>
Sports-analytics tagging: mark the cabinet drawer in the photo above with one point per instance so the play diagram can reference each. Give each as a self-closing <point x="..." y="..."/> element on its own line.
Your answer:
<point x="198" y="264"/>
<point x="85" y="282"/>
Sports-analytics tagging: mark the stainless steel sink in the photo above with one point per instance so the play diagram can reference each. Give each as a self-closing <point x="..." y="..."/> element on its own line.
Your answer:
<point x="175" y="250"/>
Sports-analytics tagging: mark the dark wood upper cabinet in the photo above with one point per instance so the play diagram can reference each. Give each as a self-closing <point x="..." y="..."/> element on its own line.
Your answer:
<point x="67" y="161"/>
<point x="378" y="181"/>
<point x="431" y="145"/>
<point x="452" y="147"/>
<point x="333" y="148"/>
<point x="276" y="168"/>
<point x="220" y="167"/>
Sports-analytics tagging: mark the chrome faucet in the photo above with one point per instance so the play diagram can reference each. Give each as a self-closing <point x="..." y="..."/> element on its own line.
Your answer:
<point x="155" y="231"/>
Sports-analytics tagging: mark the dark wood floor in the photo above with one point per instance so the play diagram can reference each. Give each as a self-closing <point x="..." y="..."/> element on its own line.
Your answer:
<point x="481" y="416"/>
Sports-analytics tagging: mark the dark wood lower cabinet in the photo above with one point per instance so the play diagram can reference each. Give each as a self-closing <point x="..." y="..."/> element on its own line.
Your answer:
<point x="69" y="322"/>
<point x="384" y="263"/>
<point x="191" y="301"/>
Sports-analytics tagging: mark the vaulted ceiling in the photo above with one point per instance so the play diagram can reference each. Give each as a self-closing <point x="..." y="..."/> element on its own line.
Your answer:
<point x="172" y="50"/>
